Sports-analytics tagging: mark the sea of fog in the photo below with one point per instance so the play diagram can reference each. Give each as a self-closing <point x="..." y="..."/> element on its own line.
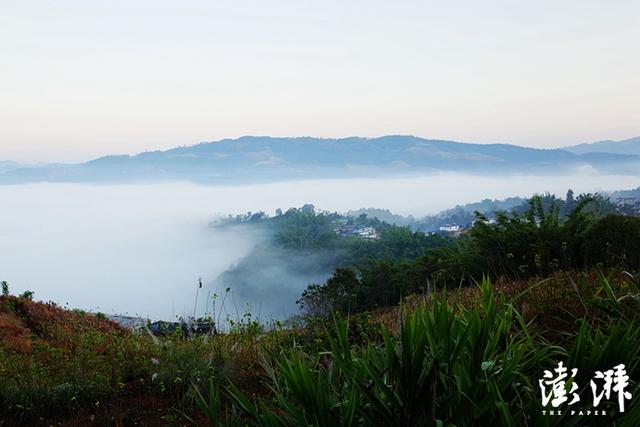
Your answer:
<point x="140" y="249"/>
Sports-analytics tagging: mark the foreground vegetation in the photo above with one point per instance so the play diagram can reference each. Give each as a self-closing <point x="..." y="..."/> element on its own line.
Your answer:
<point x="410" y="330"/>
<point x="465" y="357"/>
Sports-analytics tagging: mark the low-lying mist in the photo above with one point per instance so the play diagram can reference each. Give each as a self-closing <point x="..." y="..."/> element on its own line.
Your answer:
<point x="140" y="249"/>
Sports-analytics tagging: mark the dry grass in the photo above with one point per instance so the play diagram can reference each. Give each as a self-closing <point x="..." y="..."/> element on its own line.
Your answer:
<point x="551" y="303"/>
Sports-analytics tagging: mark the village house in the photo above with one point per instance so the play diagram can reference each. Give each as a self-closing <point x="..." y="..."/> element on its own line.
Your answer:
<point x="357" y="231"/>
<point x="628" y="206"/>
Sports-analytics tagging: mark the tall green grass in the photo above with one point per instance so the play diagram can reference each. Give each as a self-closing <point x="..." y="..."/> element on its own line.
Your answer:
<point x="447" y="365"/>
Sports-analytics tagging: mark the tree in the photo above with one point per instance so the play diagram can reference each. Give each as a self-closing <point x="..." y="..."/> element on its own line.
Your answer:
<point x="339" y="294"/>
<point x="569" y="203"/>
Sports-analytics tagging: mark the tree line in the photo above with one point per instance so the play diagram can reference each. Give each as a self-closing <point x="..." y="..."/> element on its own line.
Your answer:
<point x="550" y="235"/>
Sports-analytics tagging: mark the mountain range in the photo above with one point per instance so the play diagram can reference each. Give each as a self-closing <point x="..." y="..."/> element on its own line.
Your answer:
<point x="258" y="158"/>
<point x="627" y="146"/>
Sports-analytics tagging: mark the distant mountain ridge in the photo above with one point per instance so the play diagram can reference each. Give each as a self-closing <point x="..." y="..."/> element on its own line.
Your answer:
<point x="627" y="146"/>
<point x="258" y="158"/>
<point x="7" y="165"/>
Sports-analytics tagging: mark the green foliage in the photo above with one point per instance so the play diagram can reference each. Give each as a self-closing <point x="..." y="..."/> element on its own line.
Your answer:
<point x="339" y="293"/>
<point x="305" y="242"/>
<point x="533" y="243"/>
<point x="445" y="356"/>
<point x="209" y="404"/>
<point x="614" y="241"/>
<point x="387" y="383"/>
<point x="27" y="295"/>
<point x="304" y="228"/>
<point x="483" y="356"/>
<point x="394" y="243"/>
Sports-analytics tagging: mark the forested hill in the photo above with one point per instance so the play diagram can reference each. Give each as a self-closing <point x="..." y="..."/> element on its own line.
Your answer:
<point x="304" y="246"/>
<point x="326" y="258"/>
<point x="253" y="158"/>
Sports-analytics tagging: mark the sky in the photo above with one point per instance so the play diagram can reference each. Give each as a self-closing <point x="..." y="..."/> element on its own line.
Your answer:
<point x="79" y="79"/>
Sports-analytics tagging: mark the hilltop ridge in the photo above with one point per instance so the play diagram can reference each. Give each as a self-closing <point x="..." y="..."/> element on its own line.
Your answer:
<point x="260" y="158"/>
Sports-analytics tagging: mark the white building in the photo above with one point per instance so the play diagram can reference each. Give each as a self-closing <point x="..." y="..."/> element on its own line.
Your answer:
<point x="367" y="233"/>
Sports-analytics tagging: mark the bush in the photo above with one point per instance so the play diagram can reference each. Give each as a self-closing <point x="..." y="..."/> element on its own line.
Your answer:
<point x="614" y="241"/>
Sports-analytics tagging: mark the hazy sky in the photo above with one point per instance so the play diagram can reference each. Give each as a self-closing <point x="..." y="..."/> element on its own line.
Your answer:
<point x="84" y="78"/>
